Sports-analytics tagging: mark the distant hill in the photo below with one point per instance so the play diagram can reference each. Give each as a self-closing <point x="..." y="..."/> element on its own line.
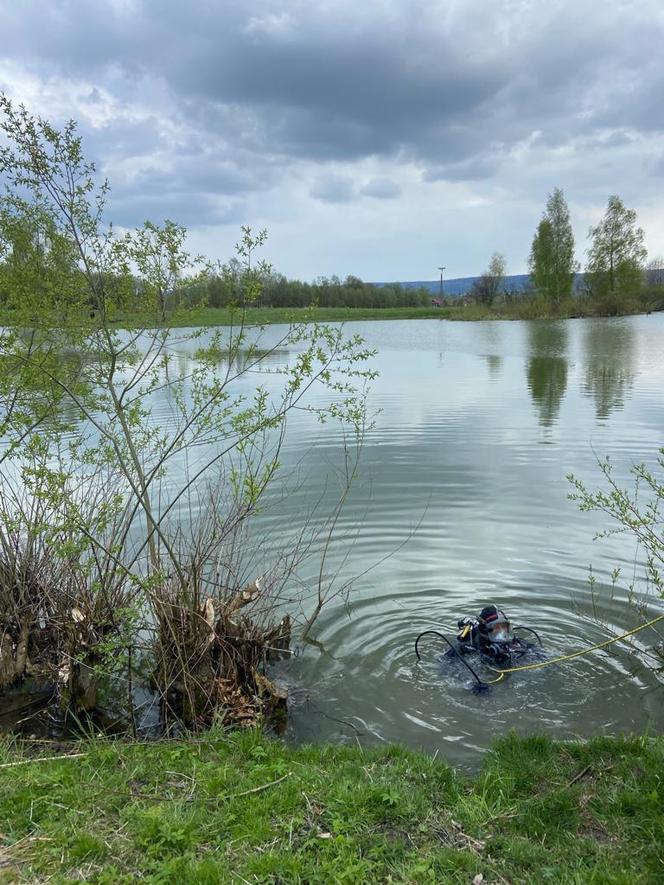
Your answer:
<point x="462" y="285"/>
<point x="458" y="286"/>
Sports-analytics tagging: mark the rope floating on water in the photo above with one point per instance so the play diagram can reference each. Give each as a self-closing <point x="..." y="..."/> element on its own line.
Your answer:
<point x="576" y="654"/>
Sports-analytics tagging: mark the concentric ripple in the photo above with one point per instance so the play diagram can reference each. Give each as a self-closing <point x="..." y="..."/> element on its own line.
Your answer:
<point x="464" y="488"/>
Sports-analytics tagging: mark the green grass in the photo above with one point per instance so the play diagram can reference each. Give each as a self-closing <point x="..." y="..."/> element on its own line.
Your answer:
<point x="211" y="316"/>
<point x="219" y="316"/>
<point x="237" y="807"/>
<point x="526" y="308"/>
<point x="522" y="309"/>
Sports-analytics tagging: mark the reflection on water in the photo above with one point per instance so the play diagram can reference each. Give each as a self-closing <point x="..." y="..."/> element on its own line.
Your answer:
<point x="243" y="359"/>
<point x="494" y="363"/>
<point x="547" y="367"/>
<point x="609" y="363"/>
<point x="491" y="336"/>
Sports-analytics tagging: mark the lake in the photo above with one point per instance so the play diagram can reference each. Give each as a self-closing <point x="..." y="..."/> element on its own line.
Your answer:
<point x="463" y="486"/>
<point x="462" y="500"/>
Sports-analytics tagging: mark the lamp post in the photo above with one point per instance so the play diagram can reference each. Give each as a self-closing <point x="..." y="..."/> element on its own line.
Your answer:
<point x="441" y="269"/>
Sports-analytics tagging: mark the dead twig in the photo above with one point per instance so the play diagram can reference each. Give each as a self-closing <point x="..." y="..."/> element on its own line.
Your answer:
<point x="475" y="844"/>
<point x="582" y="773"/>
<point x="42" y="759"/>
<point x="148" y="797"/>
<point x="261" y="788"/>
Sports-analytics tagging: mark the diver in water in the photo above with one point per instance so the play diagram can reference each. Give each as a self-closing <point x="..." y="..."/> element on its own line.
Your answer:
<point x="490" y="634"/>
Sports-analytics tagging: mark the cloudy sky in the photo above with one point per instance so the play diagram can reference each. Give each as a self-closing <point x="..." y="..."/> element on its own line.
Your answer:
<point x="380" y="138"/>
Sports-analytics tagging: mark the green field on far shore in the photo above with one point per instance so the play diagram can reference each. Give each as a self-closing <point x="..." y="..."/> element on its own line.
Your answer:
<point x="520" y="309"/>
<point x="219" y="316"/>
<point x="525" y="308"/>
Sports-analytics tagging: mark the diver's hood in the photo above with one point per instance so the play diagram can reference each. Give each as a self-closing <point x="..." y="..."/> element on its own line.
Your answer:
<point x="494" y="625"/>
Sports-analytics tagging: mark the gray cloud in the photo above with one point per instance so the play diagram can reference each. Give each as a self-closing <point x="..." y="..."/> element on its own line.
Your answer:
<point x="381" y="189"/>
<point x="321" y="86"/>
<point x="185" y="207"/>
<point x="474" y="168"/>
<point x="333" y="189"/>
<point x="217" y="103"/>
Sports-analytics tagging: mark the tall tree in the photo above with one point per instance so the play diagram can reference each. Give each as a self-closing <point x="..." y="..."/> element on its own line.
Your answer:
<point x="551" y="260"/>
<point x="541" y="257"/>
<point x="617" y="254"/>
<point x="488" y="286"/>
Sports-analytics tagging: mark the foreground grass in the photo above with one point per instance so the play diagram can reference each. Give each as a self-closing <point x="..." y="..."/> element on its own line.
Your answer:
<point x="239" y="808"/>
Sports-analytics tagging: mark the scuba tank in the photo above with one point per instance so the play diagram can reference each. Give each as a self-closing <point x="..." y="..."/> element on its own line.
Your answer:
<point x="490" y="635"/>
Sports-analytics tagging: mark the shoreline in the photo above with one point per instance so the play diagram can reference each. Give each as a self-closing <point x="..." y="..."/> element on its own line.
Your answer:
<point x="214" y="317"/>
<point x="472" y="313"/>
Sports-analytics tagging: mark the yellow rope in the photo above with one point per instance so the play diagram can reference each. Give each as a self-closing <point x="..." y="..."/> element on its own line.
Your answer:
<point x="499" y="679"/>
<point x="576" y="654"/>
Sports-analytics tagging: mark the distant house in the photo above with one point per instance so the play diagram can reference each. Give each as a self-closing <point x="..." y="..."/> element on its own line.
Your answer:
<point x="436" y="302"/>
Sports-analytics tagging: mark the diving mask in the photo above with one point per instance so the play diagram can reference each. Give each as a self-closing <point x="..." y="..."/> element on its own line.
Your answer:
<point x="500" y="631"/>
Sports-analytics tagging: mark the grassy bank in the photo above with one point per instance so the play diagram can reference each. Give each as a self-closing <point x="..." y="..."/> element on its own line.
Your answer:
<point x="220" y="316"/>
<point x="237" y="808"/>
<point x="521" y="309"/>
<point x="211" y="316"/>
<point x="531" y="308"/>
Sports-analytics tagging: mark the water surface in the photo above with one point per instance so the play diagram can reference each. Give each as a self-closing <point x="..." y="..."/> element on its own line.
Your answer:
<point x="479" y="424"/>
<point x="462" y="500"/>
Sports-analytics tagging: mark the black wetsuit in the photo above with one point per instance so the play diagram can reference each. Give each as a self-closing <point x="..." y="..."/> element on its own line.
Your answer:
<point x="471" y="641"/>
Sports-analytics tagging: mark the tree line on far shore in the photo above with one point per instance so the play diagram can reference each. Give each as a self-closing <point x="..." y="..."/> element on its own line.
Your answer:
<point x="615" y="272"/>
<point x="614" y="278"/>
<point x="221" y="290"/>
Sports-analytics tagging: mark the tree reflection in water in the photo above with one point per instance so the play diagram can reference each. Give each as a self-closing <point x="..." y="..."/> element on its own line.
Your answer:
<point x="609" y="363"/>
<point x="494" y="361"/>
<point x="491" y="336"/>
<point x="547" y="367"/>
